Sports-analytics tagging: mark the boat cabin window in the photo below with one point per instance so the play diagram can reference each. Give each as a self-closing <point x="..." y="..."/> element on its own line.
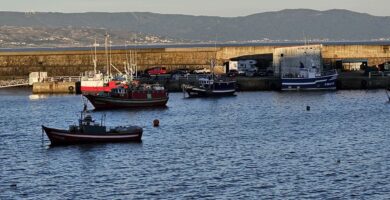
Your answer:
<point x="119" y="90"/>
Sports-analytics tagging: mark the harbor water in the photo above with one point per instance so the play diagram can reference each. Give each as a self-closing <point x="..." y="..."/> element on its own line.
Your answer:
<point x="256" y="145"/>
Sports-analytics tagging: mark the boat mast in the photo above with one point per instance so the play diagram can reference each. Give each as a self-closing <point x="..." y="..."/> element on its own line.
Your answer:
<point x="110" y="56"/>
<point x="106" y="51"/>
<point x="214" y="60"/>
<point x="134" y="59"/>
<point x="129" y="65"/>
<point x="81" y="118"/>
<point x="95" y="57"/>
<point x="127" y="60"/>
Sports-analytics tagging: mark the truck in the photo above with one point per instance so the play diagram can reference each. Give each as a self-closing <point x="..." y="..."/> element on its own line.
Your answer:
<point x="247" y="67"/>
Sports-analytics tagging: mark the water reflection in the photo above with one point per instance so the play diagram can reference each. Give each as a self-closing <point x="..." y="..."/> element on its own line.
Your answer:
<point x="38" y="96"/>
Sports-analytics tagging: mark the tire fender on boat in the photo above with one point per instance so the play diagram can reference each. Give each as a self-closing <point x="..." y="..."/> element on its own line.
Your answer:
<point x="70" y="88"/>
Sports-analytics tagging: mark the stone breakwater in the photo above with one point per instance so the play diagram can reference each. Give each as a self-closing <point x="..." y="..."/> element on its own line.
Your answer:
<point x="71" y="62"/>
<point x="74" y="61"/>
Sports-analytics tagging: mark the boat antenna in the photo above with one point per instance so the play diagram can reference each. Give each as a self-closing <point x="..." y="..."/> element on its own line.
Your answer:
<point x="103" y="119"/>
<point x="85" y="104"/>
<point x="214" y="59"/>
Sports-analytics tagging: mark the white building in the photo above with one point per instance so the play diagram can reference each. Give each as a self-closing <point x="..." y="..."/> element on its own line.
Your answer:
<point x="289" y="60"/>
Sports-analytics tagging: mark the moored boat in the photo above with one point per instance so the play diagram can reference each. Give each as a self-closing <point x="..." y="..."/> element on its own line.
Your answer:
<point x="131" y="96"/>
<point x="88" y="131"/>
<point x="93" y="82"/>
<point x="302" y="68"/>
<point x="310" y="80"/>
<point x="211" y="87"/>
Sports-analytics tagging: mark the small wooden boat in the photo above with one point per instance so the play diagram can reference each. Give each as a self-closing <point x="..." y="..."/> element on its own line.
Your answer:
<point x="88" y="131"/>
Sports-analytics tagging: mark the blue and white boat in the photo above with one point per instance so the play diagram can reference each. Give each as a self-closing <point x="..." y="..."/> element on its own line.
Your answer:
<point x="310" y="79"/>
<point x="302" y="68"/>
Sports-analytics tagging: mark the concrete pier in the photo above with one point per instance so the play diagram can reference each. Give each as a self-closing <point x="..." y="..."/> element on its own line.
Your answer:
<point x="55" y="87"/>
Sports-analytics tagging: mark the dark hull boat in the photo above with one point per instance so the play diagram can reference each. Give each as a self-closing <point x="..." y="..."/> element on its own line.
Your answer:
<point x="132" y="96"/>
<point x="63" y="137"/>
<point x="211" y="88"/>
<point x="88" y="131"/>
<point x="201" y="92"/>
<point x="108" y="102"/>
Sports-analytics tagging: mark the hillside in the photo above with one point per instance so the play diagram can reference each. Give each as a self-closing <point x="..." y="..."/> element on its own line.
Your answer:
<point x="331" y="25"/>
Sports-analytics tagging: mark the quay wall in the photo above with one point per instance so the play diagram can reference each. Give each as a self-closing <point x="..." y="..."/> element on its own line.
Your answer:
<point x="55" y="87"/>
<point x="345" y="81"/>
<point x="71" y="63"/>
<point x="243" y="84"/>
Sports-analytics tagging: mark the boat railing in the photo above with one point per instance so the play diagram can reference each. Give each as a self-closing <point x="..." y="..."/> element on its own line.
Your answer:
<point x="151" y="87"/>
<point x="290" y="75"/>
<point x="297" y="75"/>
<point x="117" y="128"/>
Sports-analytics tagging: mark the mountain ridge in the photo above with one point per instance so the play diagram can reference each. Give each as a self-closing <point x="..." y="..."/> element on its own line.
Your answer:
<point x="284" y="25"/>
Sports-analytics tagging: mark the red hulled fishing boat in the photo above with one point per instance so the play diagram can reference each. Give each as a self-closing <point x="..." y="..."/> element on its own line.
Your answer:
<point x="131" y="96"/>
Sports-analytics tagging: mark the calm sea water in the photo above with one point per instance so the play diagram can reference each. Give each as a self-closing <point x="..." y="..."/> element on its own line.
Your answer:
<point x="252" y="146"/>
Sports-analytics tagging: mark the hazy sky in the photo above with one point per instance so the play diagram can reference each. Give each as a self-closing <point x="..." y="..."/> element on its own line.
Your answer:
<point x="229" y="8"/>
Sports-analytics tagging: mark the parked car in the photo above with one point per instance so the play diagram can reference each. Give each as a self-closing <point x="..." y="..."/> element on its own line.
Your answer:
<point x="156" y="70"/>
<point x="142" y="74"/>
<point x="202" y="71"/>
<point x="180" y="71"/>
<point x="241" y="72"/>
<point x="232" y="73"/>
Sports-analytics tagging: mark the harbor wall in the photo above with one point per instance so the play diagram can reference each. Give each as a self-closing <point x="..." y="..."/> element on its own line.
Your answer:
<point x="344" y="82"/>
<point x="357" y="83"/>
<point x="243" y="84"/>
<point x="72" y="63"/>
